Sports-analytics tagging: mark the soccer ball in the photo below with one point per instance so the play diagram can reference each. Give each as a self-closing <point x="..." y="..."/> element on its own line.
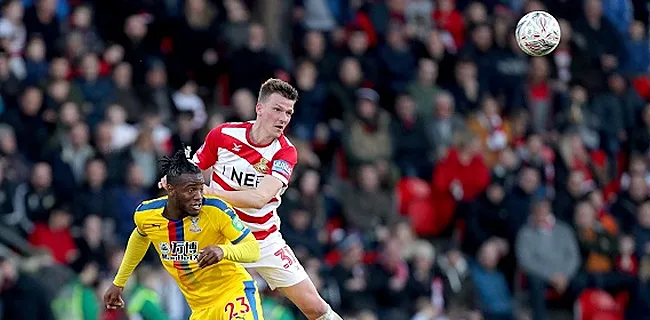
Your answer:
<point x="537" y="33"/>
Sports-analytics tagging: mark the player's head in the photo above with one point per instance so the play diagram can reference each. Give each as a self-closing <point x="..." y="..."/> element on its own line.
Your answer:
<point x="275" y="106"/>
<point x="184" y="182"/>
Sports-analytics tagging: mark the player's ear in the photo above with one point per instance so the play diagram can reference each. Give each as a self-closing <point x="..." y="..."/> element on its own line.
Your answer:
<point x="170" y="189"/>
<point x="258" y="108"/>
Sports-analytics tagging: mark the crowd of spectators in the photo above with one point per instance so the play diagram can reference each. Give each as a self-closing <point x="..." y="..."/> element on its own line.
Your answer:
<point x="442" y="173"/>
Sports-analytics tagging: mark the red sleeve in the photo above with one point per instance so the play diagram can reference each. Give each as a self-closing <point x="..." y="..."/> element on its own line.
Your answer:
<point x="481" y="180"/>
<point x="206" y="156"/>
<point x="283" y="162"/>
<point x="443" y="173"/>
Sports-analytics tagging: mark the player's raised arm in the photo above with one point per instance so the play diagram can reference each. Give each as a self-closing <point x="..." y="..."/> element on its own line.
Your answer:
<point x="136" y="248"/>
<point x="281" y="168"/>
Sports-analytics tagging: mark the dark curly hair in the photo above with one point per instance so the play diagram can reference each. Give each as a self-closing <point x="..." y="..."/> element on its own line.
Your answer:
<point x="177" y="165"/>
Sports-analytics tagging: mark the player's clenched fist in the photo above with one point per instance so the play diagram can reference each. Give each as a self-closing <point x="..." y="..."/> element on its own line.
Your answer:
<point x="209" y="256"/>
<point x="113" y="298"/>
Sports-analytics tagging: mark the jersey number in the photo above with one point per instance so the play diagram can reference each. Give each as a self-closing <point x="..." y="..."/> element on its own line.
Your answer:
<point x="287" y="256"/>
<point x="243" y="308"/>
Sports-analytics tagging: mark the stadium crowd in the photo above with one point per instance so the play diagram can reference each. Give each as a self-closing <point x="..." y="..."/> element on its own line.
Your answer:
<point x="442" y="173"/>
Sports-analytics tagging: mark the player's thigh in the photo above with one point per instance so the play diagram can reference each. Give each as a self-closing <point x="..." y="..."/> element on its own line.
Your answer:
<point x="241" y="304"/>
<point x="279" y="267"/>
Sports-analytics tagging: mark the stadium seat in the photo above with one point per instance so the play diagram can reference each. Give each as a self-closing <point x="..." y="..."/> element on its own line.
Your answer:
<point x="594" y="304"/>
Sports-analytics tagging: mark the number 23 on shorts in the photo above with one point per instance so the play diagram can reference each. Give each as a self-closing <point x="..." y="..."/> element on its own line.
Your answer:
<point x="237" y="310"/>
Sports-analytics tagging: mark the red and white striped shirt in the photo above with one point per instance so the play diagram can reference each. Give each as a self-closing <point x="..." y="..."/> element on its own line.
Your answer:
<point x="239" y="164"/>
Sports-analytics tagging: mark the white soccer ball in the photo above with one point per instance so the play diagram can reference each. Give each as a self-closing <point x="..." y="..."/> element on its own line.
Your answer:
<point x="538" y="33"/>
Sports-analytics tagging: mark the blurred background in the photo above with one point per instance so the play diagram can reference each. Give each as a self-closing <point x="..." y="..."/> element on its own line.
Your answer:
<point x="442" y="173"/>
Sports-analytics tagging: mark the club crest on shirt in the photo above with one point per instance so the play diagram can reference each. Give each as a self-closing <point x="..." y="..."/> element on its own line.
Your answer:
<point x="262" y="166"/>
<point x="164" y="248"/>
<point x="195" y="225"/>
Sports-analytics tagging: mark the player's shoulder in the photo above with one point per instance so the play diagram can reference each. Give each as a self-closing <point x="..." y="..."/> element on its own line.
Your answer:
<point x="285" y="143"/>
<point x="149" y="207"/>
<point x="285" y="150"/>
<point x="152" y="204"/>
<point x="232" y="125"/>
<point x="217" y="209"/>
<point x="228" y="130"/>
<point x="224" y="127"/>
<point x="213" y="203"/>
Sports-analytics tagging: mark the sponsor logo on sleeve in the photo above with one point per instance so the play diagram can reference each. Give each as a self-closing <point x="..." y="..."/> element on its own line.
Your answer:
<point x="237" y="224"/>
<point x="282" y="167"/>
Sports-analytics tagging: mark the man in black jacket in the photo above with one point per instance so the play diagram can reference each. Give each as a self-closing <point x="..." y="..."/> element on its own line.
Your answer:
<point x="22" y="296"/>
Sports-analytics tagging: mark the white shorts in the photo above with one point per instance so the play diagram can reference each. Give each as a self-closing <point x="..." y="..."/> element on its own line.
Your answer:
<point x="278" y="265"/>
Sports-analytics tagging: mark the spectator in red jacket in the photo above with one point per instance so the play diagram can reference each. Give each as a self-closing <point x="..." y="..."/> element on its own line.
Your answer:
<point x="460" y="177"/>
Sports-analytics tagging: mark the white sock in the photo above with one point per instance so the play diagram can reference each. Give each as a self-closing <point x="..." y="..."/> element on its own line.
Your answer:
<point x="330" y="315"/>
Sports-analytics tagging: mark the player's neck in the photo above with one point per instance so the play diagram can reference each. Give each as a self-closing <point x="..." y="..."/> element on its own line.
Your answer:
<point x="172" y="212"/>
<point x="258" y="136"/>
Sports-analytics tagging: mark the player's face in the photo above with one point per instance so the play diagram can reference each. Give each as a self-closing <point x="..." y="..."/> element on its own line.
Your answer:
<point x="189" y="193"/>
<point x="275" y="114"/>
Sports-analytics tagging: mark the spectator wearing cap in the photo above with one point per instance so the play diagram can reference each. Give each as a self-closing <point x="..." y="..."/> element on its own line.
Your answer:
<point x="547" y="252"/>
<point x="367" y="136"/>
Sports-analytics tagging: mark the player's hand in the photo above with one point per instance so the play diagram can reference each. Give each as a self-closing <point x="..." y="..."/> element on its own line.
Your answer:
<point x="162" y="184"/>
<point x="209" y="256"/>
<point x="113" y="298"/>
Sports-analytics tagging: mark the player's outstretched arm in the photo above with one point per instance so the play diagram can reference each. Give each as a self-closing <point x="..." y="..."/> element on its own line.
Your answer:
<point x="136" y="248"/>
